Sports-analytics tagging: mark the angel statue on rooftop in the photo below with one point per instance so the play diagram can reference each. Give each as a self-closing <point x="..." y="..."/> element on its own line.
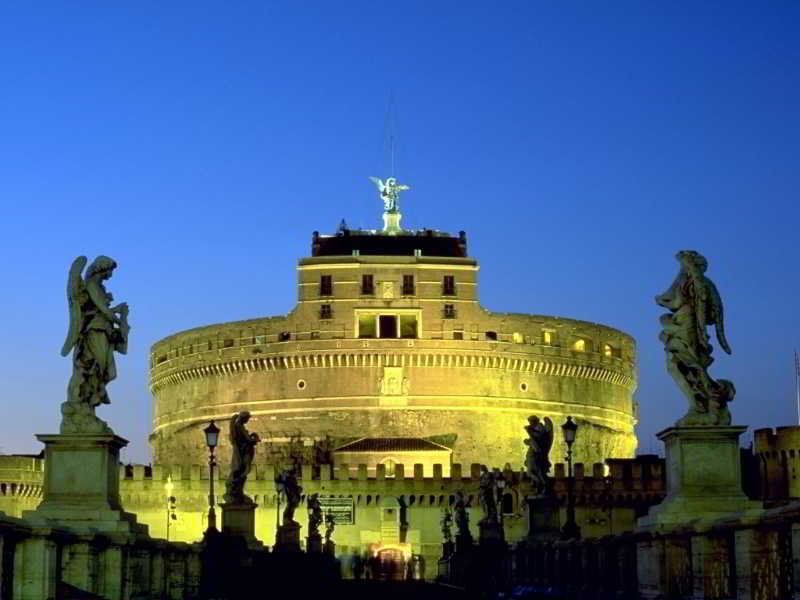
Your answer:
<point x="388" y="191"/>
<point x="694" y="303"/>
<point x="96" y="331"/>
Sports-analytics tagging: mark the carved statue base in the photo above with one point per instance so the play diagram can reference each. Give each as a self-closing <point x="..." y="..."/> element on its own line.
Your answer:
<point x="464" y="542"/>
<point x="491" y="532"/>
<point x="240" y="520"/>
<point x="287" y="539"/>
<point x="314" y="543"/>
<point x="544" y="523"/>
<point x="79" y="417"/>
<point x="704" y="479"/>
<point x="81" y="484"/>
<point x="447" y="549"/>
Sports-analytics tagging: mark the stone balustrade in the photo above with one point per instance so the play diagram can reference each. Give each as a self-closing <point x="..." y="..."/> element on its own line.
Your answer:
<point x="42" y="563"/>
<point x="748" y="558"/>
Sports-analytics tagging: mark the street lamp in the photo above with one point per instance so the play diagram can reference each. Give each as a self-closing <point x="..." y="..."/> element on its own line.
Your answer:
<point x="168" y="487"/>
<point x="570" y="529"/>
<point x="212" y="437"/>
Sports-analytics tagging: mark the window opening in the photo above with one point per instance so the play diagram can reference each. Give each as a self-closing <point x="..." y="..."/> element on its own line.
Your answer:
<point x="408" y="326"/>
<point x="325" y="311"/>
<point x="458" y="335"/>
<point x="449" y="285"/>
<point x="491" y="335"/>
<point x="366" y="326"/>
<point x="367" y="285"/>
<point x="408" y="285"/>
<point x="449" y="311"/>
<point x="387" y="326"/>
<point x="325" y="285"/>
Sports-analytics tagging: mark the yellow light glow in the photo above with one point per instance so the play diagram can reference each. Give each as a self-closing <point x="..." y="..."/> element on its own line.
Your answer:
<point x="169" y="486"/>
<point x="608" y="350"/>
<point x="547" y="338"/>
<point x="579" y="346"/>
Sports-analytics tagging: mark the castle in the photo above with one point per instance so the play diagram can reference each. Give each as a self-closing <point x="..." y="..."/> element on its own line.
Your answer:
<point x="391" y="385"/>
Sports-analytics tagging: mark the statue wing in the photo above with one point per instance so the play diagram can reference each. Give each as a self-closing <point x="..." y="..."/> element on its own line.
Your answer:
<point x="380" y="185"/>
<point x="75" y="289"/>
<point x="548" y="437"/>
<point x="716" y="316"/>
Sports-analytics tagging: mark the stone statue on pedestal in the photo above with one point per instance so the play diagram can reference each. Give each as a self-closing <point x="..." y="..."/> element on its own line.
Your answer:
<point x="447" y="524"/>
<point x="96" y="331"/>
<point x="389" y="192"/>
<point x="287" y="486"/>
<point x="330" y="525"/>
<point x="537" y="461"/>
<point x="694" y="304"/>
<point x="488" y="496"/>
<point x="461" y="515"/>
<point x="243" y="445"/>
<point x="314" y="514"/>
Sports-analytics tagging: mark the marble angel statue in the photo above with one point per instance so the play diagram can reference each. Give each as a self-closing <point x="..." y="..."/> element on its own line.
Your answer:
<point x="694" y="304"/>
<point x="96" y="331"/>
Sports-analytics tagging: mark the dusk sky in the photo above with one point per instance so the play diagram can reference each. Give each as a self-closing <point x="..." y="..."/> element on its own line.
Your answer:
<point x="579" y="145"/>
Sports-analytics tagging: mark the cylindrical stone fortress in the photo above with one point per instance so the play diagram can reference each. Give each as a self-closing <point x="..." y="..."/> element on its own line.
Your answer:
<point x="388" y="340"/>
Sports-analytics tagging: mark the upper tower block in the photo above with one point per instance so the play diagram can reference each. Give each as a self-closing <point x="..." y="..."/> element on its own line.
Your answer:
<point x="425" y="242"/>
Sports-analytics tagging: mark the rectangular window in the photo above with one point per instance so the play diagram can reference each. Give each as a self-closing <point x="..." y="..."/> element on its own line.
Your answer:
<point x="325" y="311"/>
<point x="408" y="285"/>
<point x="366" y="326"/>
<point x="449" y="286"/>
<point x="387" y="326"/>
<point x="408" y="326"/>
<point x="367" y="285"/>
<point x="458" y="335"/>
<point x="449" y="311"/>
<point x="547" y="338"/>
<point x="325" y="285"/>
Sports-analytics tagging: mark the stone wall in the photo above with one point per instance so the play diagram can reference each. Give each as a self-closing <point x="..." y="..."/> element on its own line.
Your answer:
<point x="482" y="391"/>
<point x="609" y="498"/>
<point x="778" y="454"/>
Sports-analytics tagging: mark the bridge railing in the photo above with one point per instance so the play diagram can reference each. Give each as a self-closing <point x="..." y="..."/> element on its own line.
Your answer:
<point x="744" y="556"/>
<point x="40" y="562"/>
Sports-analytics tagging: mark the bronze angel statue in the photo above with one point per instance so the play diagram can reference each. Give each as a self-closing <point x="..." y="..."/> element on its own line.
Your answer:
<point x="539" y="443"/>
<point x="96" y="330"/>
<point x="694" y="303"/>
<point x="388" y="191"/>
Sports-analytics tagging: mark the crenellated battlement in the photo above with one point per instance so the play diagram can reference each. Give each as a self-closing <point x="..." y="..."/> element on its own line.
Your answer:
<point x="778" y="453"/>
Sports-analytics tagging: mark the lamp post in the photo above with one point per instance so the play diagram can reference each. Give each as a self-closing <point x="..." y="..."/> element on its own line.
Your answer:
<point x="570" y="529"/>
<point x="212" y="437"/>
<point x="168" y="487"/>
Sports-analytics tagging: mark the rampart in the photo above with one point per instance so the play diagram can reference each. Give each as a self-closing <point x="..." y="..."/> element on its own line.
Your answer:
<point x="778" y="454"/>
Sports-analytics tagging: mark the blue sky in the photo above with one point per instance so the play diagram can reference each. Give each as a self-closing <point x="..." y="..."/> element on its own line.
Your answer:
<point x="580" y="145"/>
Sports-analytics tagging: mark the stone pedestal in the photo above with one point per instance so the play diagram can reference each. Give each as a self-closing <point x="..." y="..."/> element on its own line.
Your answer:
<point x="239" y="520"/>
<point x="81" y="484"/>
<point x="544" y="522"/>
<point x="287" y="539"/>
<point x="314" y="543"/>
<point x="704" y="480"/>
<point x="447" y="549"/>
<point x="463" y="543"/>
<point x="490" y="533"/>
<point x="330" y="548"/>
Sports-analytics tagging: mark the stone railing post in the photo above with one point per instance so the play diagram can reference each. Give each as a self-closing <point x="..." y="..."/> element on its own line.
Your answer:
<point x="36" y="568"/>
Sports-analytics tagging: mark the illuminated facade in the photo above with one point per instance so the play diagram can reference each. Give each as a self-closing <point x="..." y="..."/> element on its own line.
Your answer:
<point x="388" y="339"/>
